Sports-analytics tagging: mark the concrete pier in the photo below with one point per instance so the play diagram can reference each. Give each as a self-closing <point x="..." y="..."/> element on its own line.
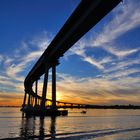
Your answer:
<point x="36" y="111"/>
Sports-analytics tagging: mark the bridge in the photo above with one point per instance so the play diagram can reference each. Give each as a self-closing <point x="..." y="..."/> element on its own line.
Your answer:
<point x="87" y="14"/>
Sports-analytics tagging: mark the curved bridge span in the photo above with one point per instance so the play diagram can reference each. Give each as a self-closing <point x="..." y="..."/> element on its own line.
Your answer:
<point x="86" y="15"/>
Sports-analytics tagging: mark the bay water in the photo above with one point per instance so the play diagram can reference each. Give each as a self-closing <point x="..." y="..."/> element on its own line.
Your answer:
<point x="97" y="124"/>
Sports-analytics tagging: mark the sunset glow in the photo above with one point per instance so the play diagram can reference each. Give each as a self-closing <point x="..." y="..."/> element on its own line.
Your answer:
<point x="103" y="67"/>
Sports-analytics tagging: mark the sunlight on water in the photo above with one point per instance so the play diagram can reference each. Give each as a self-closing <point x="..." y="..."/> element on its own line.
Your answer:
<point x="95" y="124"/>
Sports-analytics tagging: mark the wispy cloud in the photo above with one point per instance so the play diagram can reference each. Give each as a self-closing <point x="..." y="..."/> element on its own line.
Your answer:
<point x="120" y="53"/>
<point x="80" y="50"/>
<point x="122" y="65"/>
<point x="92" y="62"/>
<point x="12" y="98"/>
<point x="14" y="65"/>
<point x="113" y="84"/>
<point x="125" y="18"/>
<point x="121" y="73"/>
<point x="98" y="89"/>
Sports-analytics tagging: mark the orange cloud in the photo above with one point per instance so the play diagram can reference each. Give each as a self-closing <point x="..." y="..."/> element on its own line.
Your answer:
<point x="11" y="99"/>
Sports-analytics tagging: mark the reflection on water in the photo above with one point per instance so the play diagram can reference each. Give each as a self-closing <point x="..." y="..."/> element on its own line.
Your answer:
<point x="41" y="129"/>
<point x="52" y="127"/>
<point x="95" y="124"/>
<point x="28" y="128"/>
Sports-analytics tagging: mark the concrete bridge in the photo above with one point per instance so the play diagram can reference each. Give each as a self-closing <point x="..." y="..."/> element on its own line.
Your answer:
<point x="86" y="15"/>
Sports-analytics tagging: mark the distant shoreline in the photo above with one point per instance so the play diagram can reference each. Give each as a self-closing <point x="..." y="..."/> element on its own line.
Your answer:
<point x="99" y="106"/>
<point x="113" y="106"/>
<point x="10" y="106"/>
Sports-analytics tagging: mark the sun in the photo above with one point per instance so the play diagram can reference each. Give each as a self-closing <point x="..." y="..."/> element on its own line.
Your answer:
<point x="59" y="96"/>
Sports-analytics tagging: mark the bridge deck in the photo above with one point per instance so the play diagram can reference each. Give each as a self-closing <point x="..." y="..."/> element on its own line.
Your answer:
<point x="87" y="14"/>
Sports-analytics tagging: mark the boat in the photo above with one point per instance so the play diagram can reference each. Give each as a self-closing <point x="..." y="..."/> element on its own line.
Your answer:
<point x="83" y="112"/>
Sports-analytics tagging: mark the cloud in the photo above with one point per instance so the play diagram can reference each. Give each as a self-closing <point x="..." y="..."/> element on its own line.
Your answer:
<point x="12" y="99"/>
<point x="122" y="65"/>
<point x="98" y="89"/>
<point x="114" y="82"/>
<point x="120" y="53"/>
<point x="122" y="73"/>
<point x="24" y="57"/>
<point x="124" y="18"/>
<point x="92" y="62"/>
<point x="80" y="50"/>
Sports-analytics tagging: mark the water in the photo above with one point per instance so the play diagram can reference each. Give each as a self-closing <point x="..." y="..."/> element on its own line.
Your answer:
<point x="97" y="124"/>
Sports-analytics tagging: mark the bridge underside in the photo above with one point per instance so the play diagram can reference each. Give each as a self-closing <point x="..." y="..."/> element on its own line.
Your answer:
<point x="87" y="14"/>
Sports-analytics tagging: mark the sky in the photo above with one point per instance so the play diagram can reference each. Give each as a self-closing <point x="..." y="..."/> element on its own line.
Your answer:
<point x="103" y="67"/>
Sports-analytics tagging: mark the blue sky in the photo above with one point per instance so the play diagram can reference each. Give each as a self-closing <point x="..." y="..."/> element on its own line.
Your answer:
<point x="103" y="67"/>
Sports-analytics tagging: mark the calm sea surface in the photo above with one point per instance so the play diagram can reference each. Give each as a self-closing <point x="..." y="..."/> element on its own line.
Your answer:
<point x="95" y="124"/>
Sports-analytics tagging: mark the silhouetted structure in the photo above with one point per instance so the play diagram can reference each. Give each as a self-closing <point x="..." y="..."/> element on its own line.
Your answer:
<point x="87" y="14"/>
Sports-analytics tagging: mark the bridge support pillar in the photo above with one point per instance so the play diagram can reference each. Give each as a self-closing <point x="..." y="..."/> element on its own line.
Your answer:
<point x="24" y="101"/>
<point x="54" y="87"/>
<point x="38" y="101"/>
<point x="32" y="100"/>
<point x="44" y="89"/>
<point x="36" y="89"/>
<point x="29" y="99"/>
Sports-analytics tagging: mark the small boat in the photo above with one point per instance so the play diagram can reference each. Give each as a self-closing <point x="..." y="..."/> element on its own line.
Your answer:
<point x="83" y="112"/>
